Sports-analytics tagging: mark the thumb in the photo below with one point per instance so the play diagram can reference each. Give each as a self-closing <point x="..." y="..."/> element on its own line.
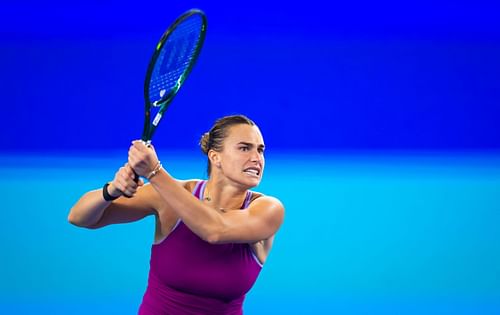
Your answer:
<point x="140" y="182"/>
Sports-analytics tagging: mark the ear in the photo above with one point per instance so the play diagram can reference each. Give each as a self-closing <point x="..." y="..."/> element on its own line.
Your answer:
<point x="214" y="158"/>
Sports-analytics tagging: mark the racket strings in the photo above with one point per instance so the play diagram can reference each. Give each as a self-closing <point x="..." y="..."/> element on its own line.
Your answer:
<point x="175" y="58"/>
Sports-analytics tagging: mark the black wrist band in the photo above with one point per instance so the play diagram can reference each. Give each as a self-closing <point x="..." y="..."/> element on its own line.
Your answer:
<point x="106" y="195"/>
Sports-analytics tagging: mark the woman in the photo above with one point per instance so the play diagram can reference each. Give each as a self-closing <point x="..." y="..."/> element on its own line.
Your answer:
<point x="211" y="237"/>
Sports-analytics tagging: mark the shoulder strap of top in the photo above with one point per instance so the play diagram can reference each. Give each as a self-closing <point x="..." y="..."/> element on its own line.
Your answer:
<point x="251" y="196"/>
<point x="198" y="188"/>
<point x="247" y="201"/>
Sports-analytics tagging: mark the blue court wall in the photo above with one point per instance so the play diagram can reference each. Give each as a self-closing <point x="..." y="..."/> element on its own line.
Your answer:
<point x="316" y="75"/>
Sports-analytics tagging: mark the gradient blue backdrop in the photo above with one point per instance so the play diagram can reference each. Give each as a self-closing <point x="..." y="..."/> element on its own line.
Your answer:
<point x="381" y="122"/>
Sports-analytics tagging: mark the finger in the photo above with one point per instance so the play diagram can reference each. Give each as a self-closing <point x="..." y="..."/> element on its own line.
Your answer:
<point x="118" y="185"/>
<point x="135" y="154"/>
<point x="132" y="162"/>
<point x="123" y="175"/>
<point x="130" y="171"/>
<point x="139" y="145"/>
<point x="128" y="194"/>
<point x="130" y="183"/>
<point x="129" y="191"/>
<point x="131" y="154"/>
<point x="126" y="188"/>
<point x="113" y="189"/>
<point x="138" y="152"/>
<point x="126" y="179"/>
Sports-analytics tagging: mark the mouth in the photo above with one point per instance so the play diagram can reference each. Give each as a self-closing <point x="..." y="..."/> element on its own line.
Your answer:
<point x="252" y="171"/>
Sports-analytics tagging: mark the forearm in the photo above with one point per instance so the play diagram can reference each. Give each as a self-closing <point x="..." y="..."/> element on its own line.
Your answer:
<point x="200" y="218"/>
<point x="89" y="209"/>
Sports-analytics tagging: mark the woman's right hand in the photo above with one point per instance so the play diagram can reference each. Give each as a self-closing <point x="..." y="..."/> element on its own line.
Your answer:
<point x="125" y="182"/>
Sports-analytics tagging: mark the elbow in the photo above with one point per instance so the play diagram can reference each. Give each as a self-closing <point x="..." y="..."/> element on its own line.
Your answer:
<point x="75" y="220"/>
<point x="212" y="239"/>
<point x="212" y="236"/>
<point x="211" y="232"/>
<point x="72" y="219"/>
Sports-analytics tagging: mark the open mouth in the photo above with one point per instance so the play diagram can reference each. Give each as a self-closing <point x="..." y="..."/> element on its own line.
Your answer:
<point x="252" y="171"/>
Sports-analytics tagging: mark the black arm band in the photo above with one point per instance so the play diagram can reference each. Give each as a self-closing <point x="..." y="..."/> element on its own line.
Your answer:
<point x="106" y="195"/>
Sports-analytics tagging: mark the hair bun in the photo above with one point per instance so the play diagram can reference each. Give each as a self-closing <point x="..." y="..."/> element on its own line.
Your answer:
<point x="204" y="145"/>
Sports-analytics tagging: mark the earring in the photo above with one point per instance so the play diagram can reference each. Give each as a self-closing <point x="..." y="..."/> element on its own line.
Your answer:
<point x="218" y="165"/>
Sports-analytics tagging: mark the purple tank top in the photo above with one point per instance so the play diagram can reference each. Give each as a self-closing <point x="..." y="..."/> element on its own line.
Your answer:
<point x="190" y="276"/>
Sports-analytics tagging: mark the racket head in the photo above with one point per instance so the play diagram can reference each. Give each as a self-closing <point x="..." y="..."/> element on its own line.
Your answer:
<point x="172" y="61"/>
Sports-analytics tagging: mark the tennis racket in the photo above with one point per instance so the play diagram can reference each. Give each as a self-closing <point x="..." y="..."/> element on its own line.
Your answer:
<point x="171" y="63"/>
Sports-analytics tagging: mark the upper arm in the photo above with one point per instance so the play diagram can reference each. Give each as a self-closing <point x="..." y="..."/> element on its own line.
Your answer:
<point x="124" y="210"/>
<point x="145" y="202"/>
<point x="259" y="221"/>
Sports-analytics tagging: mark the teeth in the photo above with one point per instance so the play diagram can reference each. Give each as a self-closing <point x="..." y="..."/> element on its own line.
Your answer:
<point x="252" y="171"/>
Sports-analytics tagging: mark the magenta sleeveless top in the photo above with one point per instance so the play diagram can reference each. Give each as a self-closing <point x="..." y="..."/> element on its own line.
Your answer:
<point x="191" y="276"/>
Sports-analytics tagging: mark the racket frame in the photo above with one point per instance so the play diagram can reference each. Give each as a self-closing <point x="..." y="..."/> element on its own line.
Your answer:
<point x="163" y="104"/>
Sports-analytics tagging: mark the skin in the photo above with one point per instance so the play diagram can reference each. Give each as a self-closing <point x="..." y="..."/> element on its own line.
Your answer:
<point x="237" y="168"/>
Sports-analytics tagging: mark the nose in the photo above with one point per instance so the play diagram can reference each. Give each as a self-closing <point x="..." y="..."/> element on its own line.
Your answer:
<point x="256" y="156"/>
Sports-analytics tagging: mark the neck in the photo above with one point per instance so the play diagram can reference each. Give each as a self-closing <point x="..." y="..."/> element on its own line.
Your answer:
<point x="221" y="195"/>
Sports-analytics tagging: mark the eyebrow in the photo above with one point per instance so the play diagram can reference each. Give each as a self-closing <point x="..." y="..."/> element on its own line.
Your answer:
<point x="251" y="144"/>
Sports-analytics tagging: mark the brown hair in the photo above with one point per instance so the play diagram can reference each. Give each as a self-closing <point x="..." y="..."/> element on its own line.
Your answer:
<point x="214" y="138"/>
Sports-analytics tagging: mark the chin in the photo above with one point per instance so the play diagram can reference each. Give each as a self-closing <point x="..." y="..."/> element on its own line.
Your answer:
<point x="254" y="182"/>
<point x="247" y="181"/>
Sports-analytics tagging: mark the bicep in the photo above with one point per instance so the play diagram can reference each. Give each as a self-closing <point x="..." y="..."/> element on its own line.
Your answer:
<point x="259" y="221"/>
<point x="144" y="203"/>
<point x="125" y="210"/>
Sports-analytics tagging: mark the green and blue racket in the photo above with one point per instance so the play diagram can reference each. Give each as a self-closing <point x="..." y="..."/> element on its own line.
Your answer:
<point x="172" y="61"/>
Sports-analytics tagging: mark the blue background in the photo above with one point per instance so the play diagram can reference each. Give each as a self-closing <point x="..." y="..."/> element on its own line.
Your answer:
<point x="381" y="122"/>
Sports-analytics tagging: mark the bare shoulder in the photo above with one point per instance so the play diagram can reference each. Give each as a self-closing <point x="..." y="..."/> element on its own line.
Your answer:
<point x="188" y="184"/>
<point x="261" y="199"/>
<point x="268" y="206"/>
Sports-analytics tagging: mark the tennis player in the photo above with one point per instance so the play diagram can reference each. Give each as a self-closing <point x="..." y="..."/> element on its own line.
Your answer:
<point x="212" y="236"/>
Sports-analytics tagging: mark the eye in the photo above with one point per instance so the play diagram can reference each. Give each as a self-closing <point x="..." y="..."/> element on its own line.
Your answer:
<point x="244" y="149"/>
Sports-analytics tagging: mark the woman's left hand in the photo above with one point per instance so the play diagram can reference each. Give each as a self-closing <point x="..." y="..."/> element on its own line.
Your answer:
<point x="142" y="158"/>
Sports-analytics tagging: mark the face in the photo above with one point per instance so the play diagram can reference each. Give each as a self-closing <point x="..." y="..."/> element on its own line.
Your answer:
<point x="242" y="157"/>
